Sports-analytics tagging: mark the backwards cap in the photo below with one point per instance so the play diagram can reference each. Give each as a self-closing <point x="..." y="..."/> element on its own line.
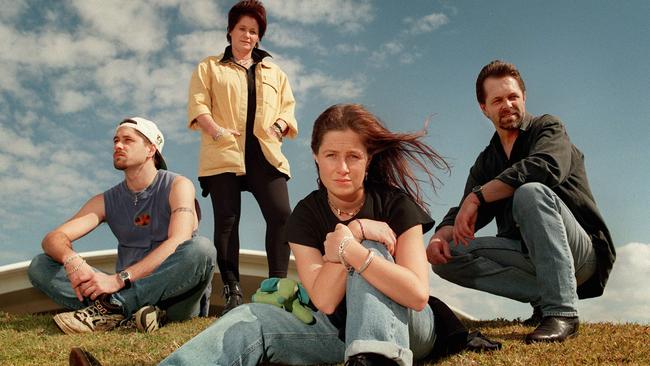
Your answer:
<point x="151" y="132"/>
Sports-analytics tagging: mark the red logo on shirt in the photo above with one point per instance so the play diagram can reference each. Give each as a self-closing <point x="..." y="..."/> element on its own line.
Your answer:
<point x="142" y="220"/>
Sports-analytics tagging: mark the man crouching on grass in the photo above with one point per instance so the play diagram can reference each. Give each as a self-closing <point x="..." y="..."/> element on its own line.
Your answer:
<point x="162" y="270"/>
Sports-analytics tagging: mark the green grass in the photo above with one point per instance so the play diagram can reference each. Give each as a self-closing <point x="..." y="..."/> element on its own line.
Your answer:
<point x="35" y="340"/>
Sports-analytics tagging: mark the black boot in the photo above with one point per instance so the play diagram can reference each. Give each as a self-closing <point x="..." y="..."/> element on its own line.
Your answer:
<point x="233" y="296"/>
<point x="534" y="319"/>
<point x="554" y="329"/>
<point x="80" y="357"/>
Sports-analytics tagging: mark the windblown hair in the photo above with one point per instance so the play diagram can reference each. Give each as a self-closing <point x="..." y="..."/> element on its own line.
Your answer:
<point x="496" y="69"/>
<point x="393" y="155"/>
<point x="251" y="8"/>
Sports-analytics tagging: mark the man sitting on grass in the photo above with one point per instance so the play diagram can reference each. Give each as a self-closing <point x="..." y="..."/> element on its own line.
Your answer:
<point x="162" y="268"/>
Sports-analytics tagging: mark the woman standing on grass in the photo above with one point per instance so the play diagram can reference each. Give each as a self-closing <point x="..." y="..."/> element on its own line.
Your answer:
<point x="243" y="105"/>
<point x="358" y="243"/>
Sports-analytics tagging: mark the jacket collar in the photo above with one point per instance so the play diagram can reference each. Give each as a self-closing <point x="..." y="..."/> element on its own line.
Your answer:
<point x="258" y="55"/>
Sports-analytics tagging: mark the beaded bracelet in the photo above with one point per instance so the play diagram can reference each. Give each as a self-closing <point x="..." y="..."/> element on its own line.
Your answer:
<point x="369" y="258"/>
<point x="75" y="269"/>
<point x="344" y="243"/>
<point x="70" y="258"/>
<point x="363" y="234"/>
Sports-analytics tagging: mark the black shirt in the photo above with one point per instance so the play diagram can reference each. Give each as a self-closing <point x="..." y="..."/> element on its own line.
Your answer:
<point x="312" y="220"/>
<point x="544" y="154"/>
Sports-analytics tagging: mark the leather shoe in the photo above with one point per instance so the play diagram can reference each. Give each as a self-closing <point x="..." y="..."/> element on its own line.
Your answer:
<point x="369" y="359"/>
<point x="233" y="296"/>
<point x="534" y="319"/>
<point x="554" y="329"/>
<point x="80" y="357"/>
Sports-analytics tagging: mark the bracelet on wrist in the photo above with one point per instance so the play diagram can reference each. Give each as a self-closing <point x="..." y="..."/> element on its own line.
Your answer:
<point x="77" y="267"/>
<point x="363" y="234"/>
<point x="342" y="245"/>
<point x="366" y="263"/>
<point x="71" y="258"/>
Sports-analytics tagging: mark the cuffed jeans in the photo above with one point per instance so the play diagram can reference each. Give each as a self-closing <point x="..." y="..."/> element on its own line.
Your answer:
<point x="255" y="333"/>
<point x="178" y="285"/>
<point x="560" y="256"/>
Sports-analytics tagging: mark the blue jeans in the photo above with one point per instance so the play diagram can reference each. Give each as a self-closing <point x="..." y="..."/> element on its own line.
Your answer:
<point x="560" y="256"/>
<point x="178" y="285"/>
<point x="255" y="333"/>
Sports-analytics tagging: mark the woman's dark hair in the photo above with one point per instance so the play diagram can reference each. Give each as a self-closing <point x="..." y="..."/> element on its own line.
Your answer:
<point x="496" y="69"/>
<point x="252" y="8"/>
<point x="392" y="154"/>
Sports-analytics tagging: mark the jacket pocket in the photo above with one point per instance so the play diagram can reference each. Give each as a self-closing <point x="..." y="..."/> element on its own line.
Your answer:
<point x="270" y="92"/>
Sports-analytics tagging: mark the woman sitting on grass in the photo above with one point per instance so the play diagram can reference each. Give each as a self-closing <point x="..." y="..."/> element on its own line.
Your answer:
<point x="358" y="244"/>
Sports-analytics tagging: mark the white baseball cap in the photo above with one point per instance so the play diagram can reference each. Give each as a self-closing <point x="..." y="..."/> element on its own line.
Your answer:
<point x="151" y="132"/>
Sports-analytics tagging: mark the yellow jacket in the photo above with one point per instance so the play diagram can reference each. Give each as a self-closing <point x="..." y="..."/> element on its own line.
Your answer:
<point x="219" y="88"/>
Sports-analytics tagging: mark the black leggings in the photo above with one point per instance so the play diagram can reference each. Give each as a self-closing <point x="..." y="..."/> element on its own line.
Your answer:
<point x="272" y="195"/>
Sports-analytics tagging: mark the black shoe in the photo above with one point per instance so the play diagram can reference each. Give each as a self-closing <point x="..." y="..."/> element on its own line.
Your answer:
<point x="368" y="359"/>
<point x="554" y="329"/>
<point x="233" y="295"/>
<point x="534" y="319"/>
<point x="80" y="357"/>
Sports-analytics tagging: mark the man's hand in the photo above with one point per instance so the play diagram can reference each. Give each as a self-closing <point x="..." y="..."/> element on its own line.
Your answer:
<point x="465" y="220"/>
<point x="90" y="284"/>
<point x="438" y="250"/>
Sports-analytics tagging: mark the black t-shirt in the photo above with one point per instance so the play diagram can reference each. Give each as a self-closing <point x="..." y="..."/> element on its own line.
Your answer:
<point x="312" y="220"/>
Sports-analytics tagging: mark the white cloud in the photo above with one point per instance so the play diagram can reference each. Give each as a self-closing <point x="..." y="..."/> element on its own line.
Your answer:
<point x="347" y="48"/>
<point x="52" y="48"/>
<point x="70" y="101"/>
<point x="11" y="9"/>
<point x="203" y="13"/>
<point x="626" y="296"/>
<point x="136" y="25"/>
<point x="307" y="81"/>
<point x="387" y="50"/>
<point x="290" y="37"/>
<point x="194" y="47"/>
<point x="349" y="15"/>
<point x="426" y="24"/>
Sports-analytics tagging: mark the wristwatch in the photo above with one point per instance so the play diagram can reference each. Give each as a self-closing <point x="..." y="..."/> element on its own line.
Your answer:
<point x="477" y="191"/>
<point x="126" y="277"/>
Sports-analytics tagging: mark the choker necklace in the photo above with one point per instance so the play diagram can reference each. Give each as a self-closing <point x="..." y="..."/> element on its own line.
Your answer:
<point x="340" y="212"/>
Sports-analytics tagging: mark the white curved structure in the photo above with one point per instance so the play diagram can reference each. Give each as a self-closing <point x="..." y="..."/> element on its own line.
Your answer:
<point x="17" y="296"/>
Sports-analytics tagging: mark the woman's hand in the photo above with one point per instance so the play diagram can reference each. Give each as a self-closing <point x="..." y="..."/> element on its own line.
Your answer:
<point x="276" y="130"/>
<point x="222" y="131"/>
<point x="334" y="239"/>
<point x="378" y="231"/>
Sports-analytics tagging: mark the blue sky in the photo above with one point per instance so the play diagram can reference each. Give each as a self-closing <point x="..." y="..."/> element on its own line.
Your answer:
<point x="70" y="70"/>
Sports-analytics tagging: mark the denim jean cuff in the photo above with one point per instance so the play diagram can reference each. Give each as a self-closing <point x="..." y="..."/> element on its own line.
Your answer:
<point x="403" y="356"/>
<point x="568" y="314"/>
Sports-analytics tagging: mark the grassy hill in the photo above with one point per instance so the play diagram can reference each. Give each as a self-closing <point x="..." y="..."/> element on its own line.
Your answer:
<point x="35" y="340"/>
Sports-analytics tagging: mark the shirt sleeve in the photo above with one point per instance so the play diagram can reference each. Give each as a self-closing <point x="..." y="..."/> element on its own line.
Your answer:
<point x="287" y="106"/>
<point x="404" y="213"/>
<point x="549" y="158"/>
<point x="199" y="101"/>
<point x="476" y="177"/>
<point x="303" y="228"/>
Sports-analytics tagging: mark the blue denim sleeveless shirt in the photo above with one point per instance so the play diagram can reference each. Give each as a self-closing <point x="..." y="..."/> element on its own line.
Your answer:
<point x="139" y="221"/>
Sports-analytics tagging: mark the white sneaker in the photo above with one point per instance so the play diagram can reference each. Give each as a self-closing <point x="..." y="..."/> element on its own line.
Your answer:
<point x="100" y="316"/>
<point x="149" y="318"/>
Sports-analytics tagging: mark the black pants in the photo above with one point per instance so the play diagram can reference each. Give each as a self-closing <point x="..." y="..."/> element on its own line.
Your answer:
<point x="270" y="192"/>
